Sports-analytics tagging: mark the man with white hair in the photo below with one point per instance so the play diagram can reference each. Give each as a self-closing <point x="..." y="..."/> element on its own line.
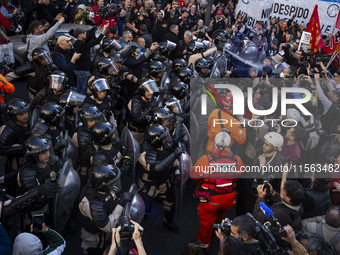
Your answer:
<point x="216" y="190"/>
<point x="125" y="43"/>
<point x="182" y="45"/>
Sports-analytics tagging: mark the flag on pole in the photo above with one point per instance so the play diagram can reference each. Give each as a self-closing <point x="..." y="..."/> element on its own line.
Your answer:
<point x="315" y="29"/>
<point x="332" y="44"/>
<point x="337" y="24"/>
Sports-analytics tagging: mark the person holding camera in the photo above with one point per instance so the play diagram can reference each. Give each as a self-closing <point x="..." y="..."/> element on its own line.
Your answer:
<point x="214" y="193"/>
<point x="100" y="207"/>
<point x="242" y="228"/>
<point x="287" y="207"/>
<point x="136" y="237"/>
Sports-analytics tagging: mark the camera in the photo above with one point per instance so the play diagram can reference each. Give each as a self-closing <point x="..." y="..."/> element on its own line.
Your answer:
<point x="276" y="229"/>
<point x="225" y="227"/>
<point x="303" y="63"/>
<point x="127" y="228"/>
<point x="323" y="59"/>
<point x="258" y="182"/>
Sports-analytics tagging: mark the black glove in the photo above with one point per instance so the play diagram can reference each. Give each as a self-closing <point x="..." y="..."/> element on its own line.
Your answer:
<point x="125" y="198"/>
<point x="49" y="189"/>
<point x="61" y="144"/>
<point x="178" y="151"/>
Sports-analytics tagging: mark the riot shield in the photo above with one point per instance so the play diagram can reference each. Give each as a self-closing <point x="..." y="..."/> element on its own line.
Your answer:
<point x="185" y="167"/>
<point x="164" y="88"/>
<point x="215" y="72"/>
<point x="70" y="151"/>
<point x="69" y="183"/>
<point x="34" y="117"/>
<point x="131" y="150"/>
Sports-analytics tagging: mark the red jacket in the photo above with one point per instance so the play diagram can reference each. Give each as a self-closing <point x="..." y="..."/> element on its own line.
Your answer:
<point x="98" y="18"/>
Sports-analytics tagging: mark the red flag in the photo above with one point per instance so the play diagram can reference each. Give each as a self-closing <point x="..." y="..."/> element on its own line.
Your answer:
<point x="337" y="24"/>
<point x="332" y="44"/>
<point x="315" y="29"/>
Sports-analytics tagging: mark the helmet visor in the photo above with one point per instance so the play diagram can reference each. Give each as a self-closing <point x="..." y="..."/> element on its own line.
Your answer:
<point x="45" y="58"/>
<point x="101" y="85"/>
<point x="175" y="107"/>
<point x="75" y="99"/>
<point x="57" y="81"/>
<point x="150" y="86"/>
<point x="113" y="66"/>
<point x="170" y="45"/>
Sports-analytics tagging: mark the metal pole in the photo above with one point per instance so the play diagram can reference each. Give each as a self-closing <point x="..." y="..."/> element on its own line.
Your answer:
<point x="208" y="12"/>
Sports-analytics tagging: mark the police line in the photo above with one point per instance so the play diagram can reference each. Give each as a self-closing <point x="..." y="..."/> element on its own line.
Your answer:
<point x="264" y="10"/>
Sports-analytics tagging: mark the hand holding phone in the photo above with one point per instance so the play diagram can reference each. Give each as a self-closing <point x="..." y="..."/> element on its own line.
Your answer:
<point x="37" y="221"/>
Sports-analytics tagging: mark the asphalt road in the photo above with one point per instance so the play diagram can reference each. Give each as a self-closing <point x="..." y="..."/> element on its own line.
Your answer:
<point x="157" y="239"/>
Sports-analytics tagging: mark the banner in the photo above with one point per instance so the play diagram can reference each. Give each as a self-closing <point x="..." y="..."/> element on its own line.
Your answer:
<point x="264" y="10"/>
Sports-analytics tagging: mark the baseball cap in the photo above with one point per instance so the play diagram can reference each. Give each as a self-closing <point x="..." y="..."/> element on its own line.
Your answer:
<point x="219" y="12"/>
<point x="78" y="31"/>
<point x="63" y="38"/>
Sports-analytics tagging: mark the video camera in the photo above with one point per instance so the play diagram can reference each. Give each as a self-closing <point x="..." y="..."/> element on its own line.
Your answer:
<point x="267" y="235"/>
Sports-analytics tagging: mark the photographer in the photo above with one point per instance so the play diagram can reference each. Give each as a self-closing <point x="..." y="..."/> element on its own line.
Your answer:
<point x="287" y="207"/>
<point x="242" y="228"/>
<point x="296" y="246"/>
<point x="136" y="236"/>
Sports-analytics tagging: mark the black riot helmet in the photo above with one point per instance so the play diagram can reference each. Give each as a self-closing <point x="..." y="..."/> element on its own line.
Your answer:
<point x="58" y="80"/>
<point x="220" y="38"/>
<point x="161" y="114"/>
<point x="99" y="85"/>
<point x="103" y="132"/>
<point x="156" y="69"/>
<point x="184" y="75"/>
<point x="42" y="56"/>
<point x="155" y="135"/>
<point x="104" y="64"/>
<point x="17" y="106"/>
<point x="70" y="100"/>
<point x="174" y="105"/>
<point x="90" y="112"/>
<point x="180" y="90"/>
<point x="178" y="64"/>
<point x="252" y="35"/>
<point x="116" y="58"/>
<point x="35" y="145"/>
<point x="166" y="46"/>
<point x="52" y="114"/>
<point x="148" y="86"/>
<point x="196" y="47"/>
<point x="210" y="60"/>
<point x="200" y="64"/>
<point x="108" y="44"/>
<point x="105" y="178"/>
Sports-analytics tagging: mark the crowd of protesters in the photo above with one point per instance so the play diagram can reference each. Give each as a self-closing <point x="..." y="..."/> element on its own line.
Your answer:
<point x="90" y="87"/>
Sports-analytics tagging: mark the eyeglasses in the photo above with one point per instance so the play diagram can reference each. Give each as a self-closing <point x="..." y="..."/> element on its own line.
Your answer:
<point x="269" y="145"/>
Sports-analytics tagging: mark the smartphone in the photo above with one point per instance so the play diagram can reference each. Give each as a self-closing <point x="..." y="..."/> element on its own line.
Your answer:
<point x="37" y="221"/>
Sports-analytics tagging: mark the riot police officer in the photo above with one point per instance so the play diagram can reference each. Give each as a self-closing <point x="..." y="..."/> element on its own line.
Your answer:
<point x="141" y="106"/>
<point x="159" y="163"/>
<point x="184" y="75"/>
<point x="71" y="102"/>
<point x="52" y="93"/>
<point x="89" y="116"/>
<point x="41" y="66"/>
<point x="156" y="71"/>
<point x="100" y="207"/>
<point x="107" y="47"/>
<point x="40" y="167"/>
<point x="99" y="90"/>
<point x="12" y="138"/>
<point x="165" y="48"/>
<point x="105" y="136"/>
<point x="202" y="68"/>
<point x="51" y="125"/>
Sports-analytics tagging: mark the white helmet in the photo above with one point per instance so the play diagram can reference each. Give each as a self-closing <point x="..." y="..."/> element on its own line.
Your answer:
<point x="222" y="141"/>
<point x="274" y="138"/>
<point x="293" y="114"/>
